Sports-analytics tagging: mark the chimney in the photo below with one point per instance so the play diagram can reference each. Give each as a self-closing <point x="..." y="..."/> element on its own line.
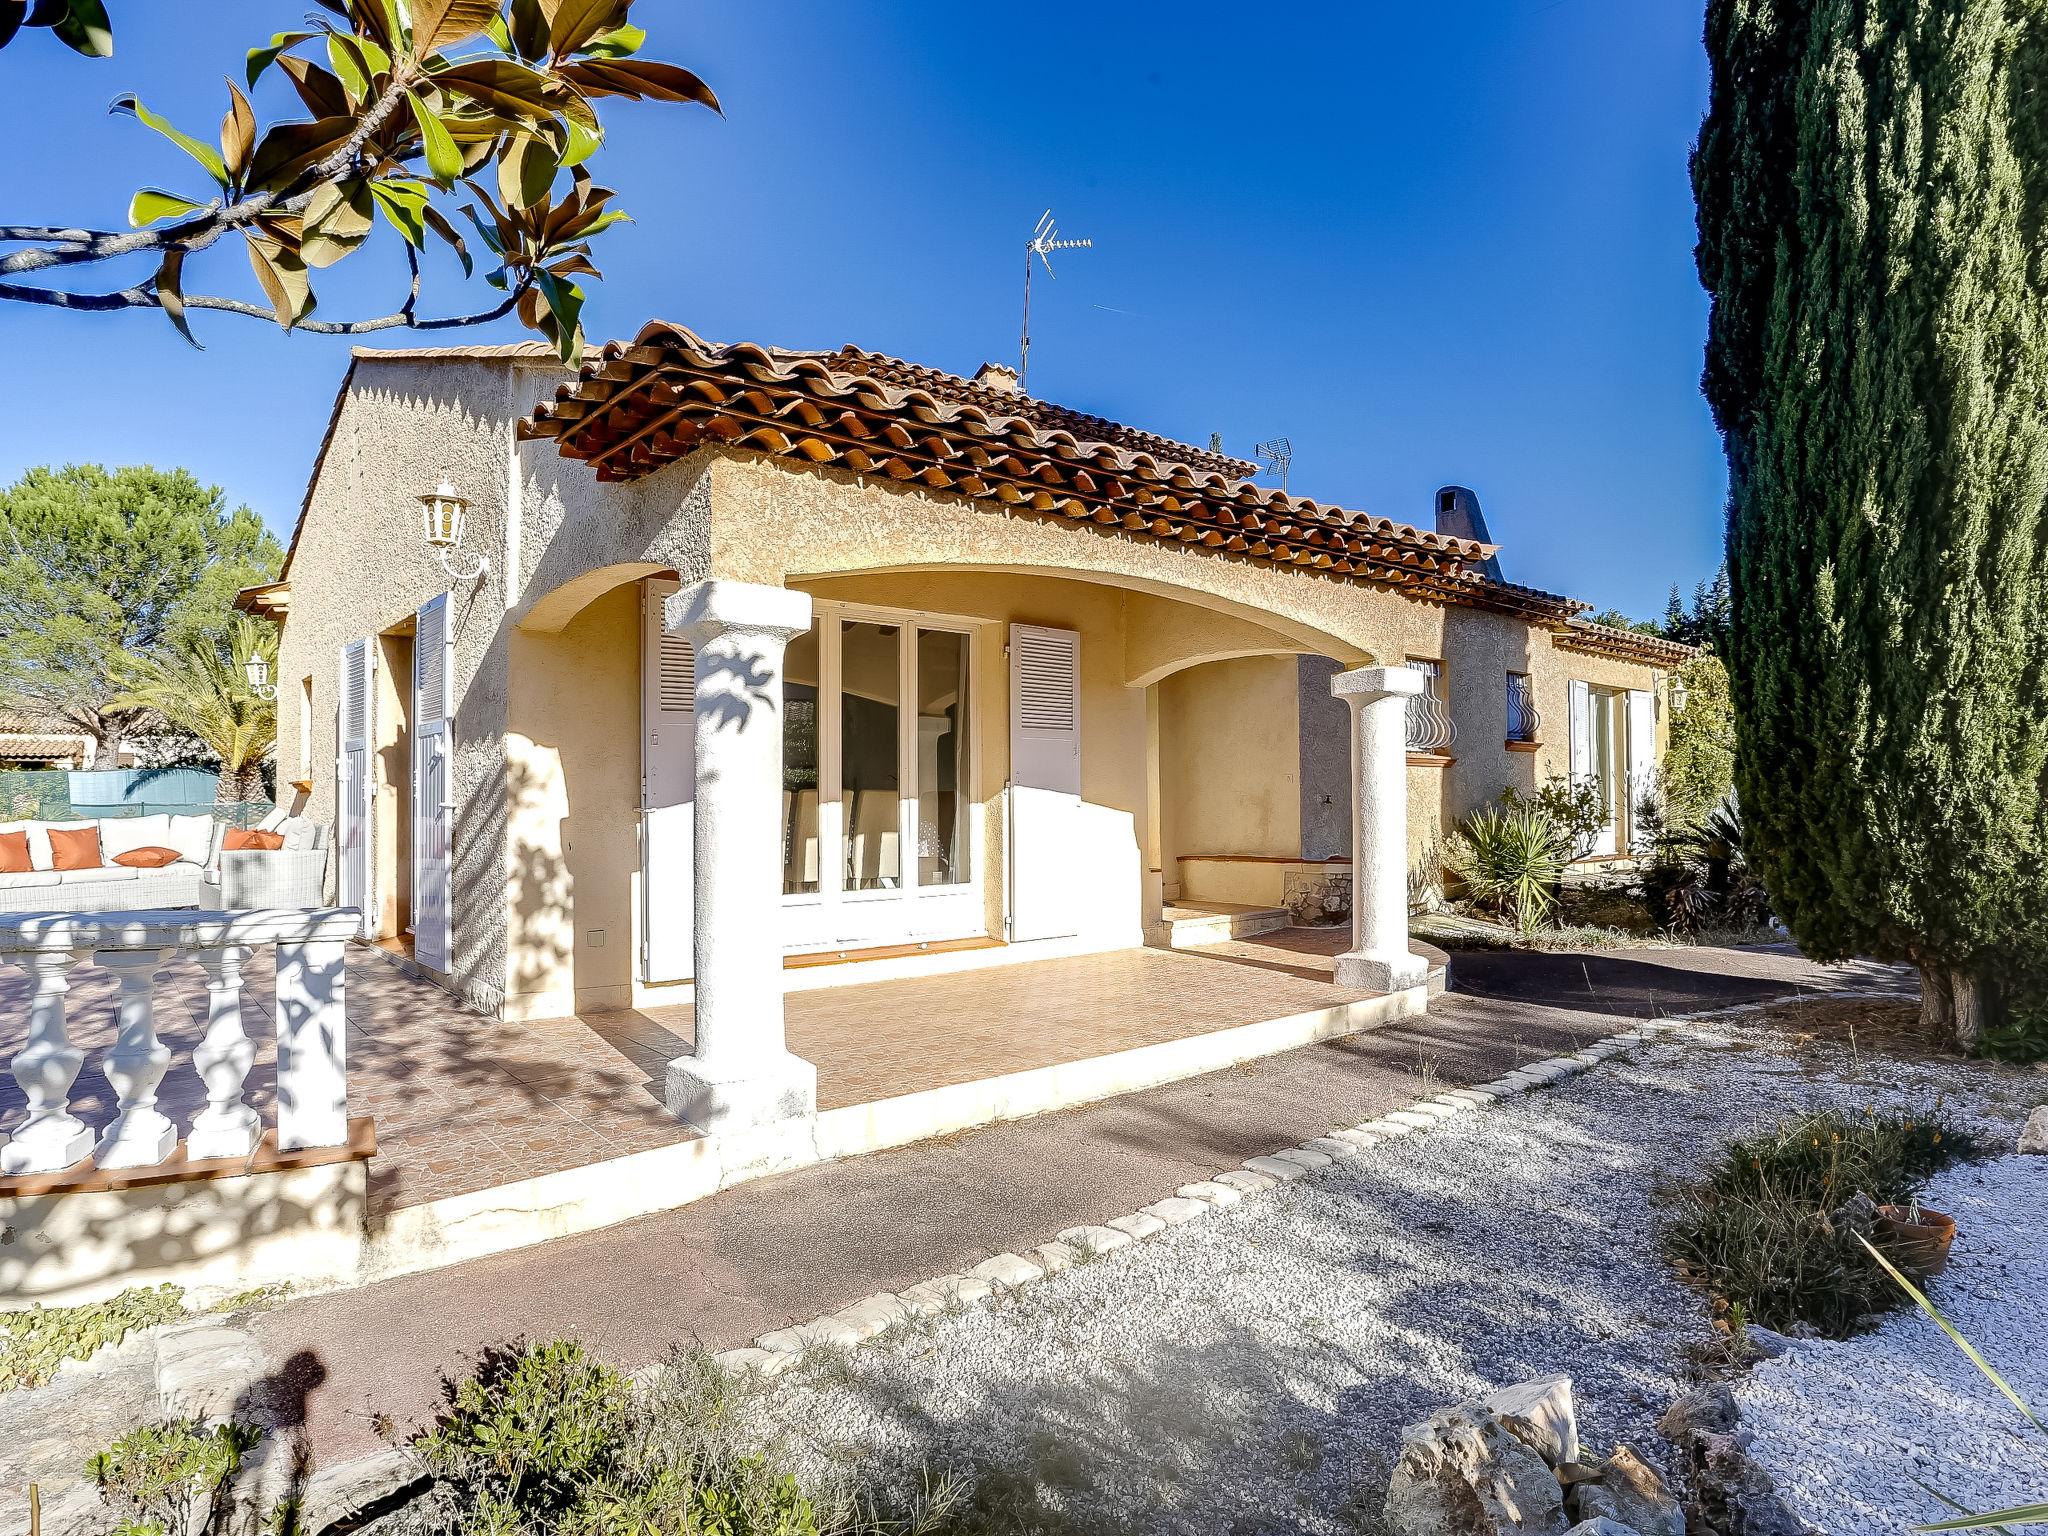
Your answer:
<point x="998" y="377"/>
<point x="1458" y="517"/>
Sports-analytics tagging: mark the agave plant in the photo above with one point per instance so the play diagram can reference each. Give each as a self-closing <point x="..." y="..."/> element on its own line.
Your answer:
<point x="405" y="102"/>
<point x="1511" y="859"/>
<point x="2019" y="1514"/>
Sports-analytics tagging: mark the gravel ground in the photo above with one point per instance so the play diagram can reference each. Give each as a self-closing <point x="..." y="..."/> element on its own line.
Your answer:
<point x="1252" y="1371"/>
<point x="1847" y="1428"/>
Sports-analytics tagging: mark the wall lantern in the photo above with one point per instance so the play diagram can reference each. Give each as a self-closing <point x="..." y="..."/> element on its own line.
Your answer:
<point x="1677" y="693"/>
<point x="444" y="515"/>
<point x="257" y="670"/>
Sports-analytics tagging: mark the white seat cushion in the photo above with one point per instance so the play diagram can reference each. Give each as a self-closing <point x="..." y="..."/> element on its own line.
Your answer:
<point x="124" y="834"/>
<point x="192" y="836"/>
<point x="109" y="873"/>
<point x="298" y="832"/>
<point x="273" y="820"/>
<point x="27" y="878"/>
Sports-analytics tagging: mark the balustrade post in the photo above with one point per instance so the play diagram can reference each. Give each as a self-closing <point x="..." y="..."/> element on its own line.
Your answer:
<point x="141" y="1135"/>
<point x="51" y="1139"/>
<point x="312" y="1044"/>
<point x="227" y="1127"/>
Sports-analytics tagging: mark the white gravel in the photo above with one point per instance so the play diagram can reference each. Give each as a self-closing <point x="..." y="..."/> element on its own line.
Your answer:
<point x="1251" y="1371"/>
<point x="1848" y="1428"/>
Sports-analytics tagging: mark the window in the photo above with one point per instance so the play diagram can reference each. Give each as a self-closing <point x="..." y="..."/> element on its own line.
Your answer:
<point x="1523" y="720"/>
<point x="1430" y="727"/>
<point x="877" y="782"/>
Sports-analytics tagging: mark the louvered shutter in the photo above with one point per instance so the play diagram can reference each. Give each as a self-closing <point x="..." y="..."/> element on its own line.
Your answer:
<point x="433" y="807"/>
<point x="1045" y="781"/>
<point x="1642" y="758"/>
<point x="355" y="720"/>
<point x="668" y="776"/>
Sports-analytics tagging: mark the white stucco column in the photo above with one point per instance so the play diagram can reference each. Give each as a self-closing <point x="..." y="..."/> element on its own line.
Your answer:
<point x="741" y="1073"/>
<point x="1378" y="960"/>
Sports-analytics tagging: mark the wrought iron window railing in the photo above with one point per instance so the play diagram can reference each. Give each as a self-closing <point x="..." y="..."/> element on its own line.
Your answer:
<point x="1524" y="720"/>
<point x="1430" y="726"/>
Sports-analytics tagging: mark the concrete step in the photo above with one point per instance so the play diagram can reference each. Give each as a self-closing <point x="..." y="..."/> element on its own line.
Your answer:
<point x="1188" y="925"/>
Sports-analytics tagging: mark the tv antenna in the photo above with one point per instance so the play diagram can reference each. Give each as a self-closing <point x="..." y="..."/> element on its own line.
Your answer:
<point x="1277" y="454"/>
<point x="1045" y="239"/>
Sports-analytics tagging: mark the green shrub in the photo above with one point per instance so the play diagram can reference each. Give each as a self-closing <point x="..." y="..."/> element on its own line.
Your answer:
<point x="171" y="1479"/>
<point x="1767" y="1230"/>
<point x="35" y="1342"/>
<point x="1697" y="877"/>
<point x="1579" y="810"/>
<point x="1510" y="860"/>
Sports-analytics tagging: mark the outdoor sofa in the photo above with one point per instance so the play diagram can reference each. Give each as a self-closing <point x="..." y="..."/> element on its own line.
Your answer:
<point x="205" y="875"/>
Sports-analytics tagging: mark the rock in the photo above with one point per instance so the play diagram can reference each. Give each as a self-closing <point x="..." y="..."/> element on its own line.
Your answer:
<point x="1217" y="1194"/>
<point x="876" y="1314"/>
<point x="1602" y="1526"/>
<point x="1462" y="1473"/>
<point x="2034" y="1136"/>
<point x="1767" y="1342"/>
<point x="1008" y="1269"/>
<point x="350" y="1496"/>
<point x="1095" y="1240"/>
<point x="750" y="1361"/>
<point x="1588" y="1502"/>
<point x="1138" y="1225"/>
<point x="1056" y="1256"/>
<point x="209" y="1373"/>
<point x="1731" y="1494"/>
<point x="1178" y="1209"/>
<point x="1539" y="1413"/>
<point x="1640" y="1498"/>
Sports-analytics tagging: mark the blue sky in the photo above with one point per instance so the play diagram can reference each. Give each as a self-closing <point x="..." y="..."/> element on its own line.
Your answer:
<point x="1429" y="244"/>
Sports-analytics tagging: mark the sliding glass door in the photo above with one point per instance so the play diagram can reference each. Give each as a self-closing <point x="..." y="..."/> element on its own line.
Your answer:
<point x="877" y="781"/>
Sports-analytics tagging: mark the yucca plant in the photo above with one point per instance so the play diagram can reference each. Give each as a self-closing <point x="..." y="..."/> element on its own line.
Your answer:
<point x="1510" y="860"/>
<point x="2019" y="1514"/>
<point x="203" y="691"/>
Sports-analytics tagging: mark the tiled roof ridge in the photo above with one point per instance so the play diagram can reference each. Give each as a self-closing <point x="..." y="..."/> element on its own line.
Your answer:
<point x="1065" y="417"/>
<point x="1582" y="634"/>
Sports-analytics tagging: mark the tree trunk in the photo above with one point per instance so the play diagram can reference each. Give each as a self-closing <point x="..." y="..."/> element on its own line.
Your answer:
<point x="1954" y="1002"/>
<point x="239" y="786"/>
<point x="106" y="736"/>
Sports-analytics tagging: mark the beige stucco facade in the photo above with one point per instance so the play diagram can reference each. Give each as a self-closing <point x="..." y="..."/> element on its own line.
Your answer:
<point x="1206" y="727"/>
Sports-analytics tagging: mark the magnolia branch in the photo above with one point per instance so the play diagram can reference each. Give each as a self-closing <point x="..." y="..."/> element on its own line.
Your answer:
<point x="144" y="296"/>
<point x="58" y="247"/>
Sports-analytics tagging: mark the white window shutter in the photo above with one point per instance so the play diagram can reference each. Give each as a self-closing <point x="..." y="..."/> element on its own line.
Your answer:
<point x="355" y="723"/>
<point x="433" y="793"/>
<point x="668" y="777"/>
<point x="1581" y="745"/>
<point x="1642" y="755"/>
<point x="1045" y="781"/>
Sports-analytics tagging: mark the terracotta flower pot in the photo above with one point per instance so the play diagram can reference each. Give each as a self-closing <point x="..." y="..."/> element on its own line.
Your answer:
<point x="1921" y="1246"/>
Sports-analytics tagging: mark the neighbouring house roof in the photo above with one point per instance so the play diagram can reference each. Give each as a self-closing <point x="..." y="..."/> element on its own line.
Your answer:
<point x="272" y="600"/>
<point x="1624" y="644"/>
<point x="636" y="406"/>
<point x="36" y="749"/>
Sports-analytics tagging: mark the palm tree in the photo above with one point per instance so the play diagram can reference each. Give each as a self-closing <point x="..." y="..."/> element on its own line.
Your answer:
<point x="202" y="689"/>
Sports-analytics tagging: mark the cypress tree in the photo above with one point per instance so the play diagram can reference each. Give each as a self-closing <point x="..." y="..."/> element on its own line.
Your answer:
<point x="1872" y="182"/>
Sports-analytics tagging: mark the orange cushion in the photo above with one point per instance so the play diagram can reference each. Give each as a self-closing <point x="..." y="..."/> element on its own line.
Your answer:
<point x="75" y="848"/>
<point x="237" y="840"/>
<point x="14" y="853"/>
<point x="147" y="858"/>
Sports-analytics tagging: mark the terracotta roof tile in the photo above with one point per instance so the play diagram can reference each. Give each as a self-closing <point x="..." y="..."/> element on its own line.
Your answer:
<point x="637" y="406"/>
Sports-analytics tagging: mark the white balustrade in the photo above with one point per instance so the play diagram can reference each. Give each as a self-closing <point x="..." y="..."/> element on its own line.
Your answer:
<point x="310" y="1020"/>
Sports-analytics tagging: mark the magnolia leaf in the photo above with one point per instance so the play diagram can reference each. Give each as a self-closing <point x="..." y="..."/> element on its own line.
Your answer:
<point x="378" y="20"/>
<point x="289" y="150"/>
<point x="85" y="29"/>
<point x="348" y="68"/>
<point x="619" y="43"/>
<point x="526" y="169"/>
<point x="501" y="85"/>
<point x="170" y="292"/>
<point x="374" y="58"/>
<point x="438" y="24"/>
<point x="404" y="205"/>
<point x="261" y="59"/>
<point x="338" y="218"/>
<point x="598" y="225"/>
<point x="283" y="276"/>
<point x="565" y="305"/>
<point x="583" y="143"/>
<point x="439" y="224"/>
<point x="529" y="29"/>
<point x="574" y="23"/>
<point x="639" y="79"/>
<point x="205" y="154"/>
<point x="485" y="229"/>
<point x="237" y="132"/>
<point x="576" y="263"/>
<point x="153" y="203"/>
<point x="444" y="160"/>
<point x="319" y="90"/>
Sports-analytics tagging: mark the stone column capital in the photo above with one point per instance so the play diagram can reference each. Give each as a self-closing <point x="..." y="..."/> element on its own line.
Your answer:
<point x="708" y="610"/>
<point x="1363" y="685"/>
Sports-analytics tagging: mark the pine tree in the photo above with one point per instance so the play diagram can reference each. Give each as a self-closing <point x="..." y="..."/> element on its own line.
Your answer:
<point x="1872" y="180"/>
